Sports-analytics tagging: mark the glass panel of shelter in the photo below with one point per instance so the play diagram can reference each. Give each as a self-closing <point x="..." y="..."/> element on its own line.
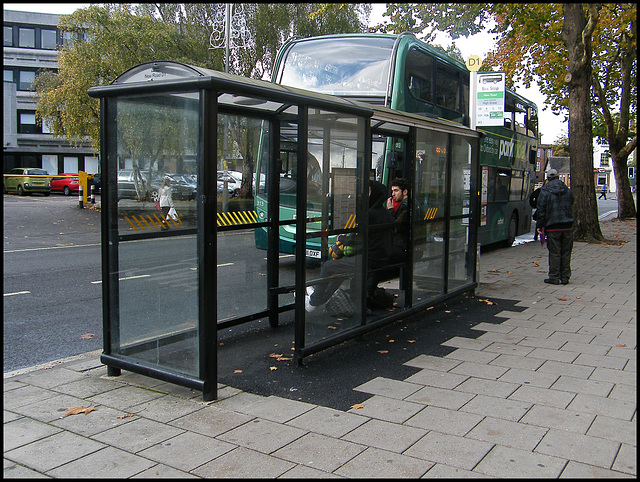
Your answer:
<point x="429" y="216"/>
<point x="242" y="281"/>
<point x="153" y="272"/>
<point x="334" y="208"/>
<point x="461" y="267"/>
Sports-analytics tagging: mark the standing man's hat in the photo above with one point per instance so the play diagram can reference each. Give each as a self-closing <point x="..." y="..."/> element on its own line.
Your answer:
<point x="552" y="174"/>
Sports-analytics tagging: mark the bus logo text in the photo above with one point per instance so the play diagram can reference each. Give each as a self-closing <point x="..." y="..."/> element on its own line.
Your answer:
<point x="506" y="148"/>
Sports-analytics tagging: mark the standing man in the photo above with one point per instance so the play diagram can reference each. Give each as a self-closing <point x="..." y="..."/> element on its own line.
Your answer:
<point x="555" y="221"/>
<point x="398" y="206"/>
<point x="603" y="192"/>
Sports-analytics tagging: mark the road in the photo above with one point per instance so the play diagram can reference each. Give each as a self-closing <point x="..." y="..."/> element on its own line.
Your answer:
<point x="51" y="257"/>
<point x="52" y="279"/>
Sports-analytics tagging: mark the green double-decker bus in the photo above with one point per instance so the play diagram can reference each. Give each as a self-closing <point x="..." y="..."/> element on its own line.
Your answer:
<point x="405" y="74"/>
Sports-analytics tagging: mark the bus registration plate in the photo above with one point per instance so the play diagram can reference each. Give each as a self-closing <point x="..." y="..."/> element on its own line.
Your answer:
<point x="313" y="253"/>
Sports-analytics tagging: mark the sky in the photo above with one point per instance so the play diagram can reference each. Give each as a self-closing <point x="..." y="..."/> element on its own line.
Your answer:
<point x="550" y="125"/>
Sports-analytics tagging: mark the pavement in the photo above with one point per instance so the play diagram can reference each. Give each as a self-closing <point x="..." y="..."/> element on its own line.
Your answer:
<point x="542" y="385"/>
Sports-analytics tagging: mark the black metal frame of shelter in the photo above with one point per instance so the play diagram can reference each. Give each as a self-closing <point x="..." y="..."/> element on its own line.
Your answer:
<point x="142" y="331"/>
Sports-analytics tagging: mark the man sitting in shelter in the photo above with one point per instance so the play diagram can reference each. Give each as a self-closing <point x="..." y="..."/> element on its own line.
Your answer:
<point x="379" y="241"/>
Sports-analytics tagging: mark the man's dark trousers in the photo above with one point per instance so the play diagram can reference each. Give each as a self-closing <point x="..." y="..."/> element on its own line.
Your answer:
<point x="560" y="244"/>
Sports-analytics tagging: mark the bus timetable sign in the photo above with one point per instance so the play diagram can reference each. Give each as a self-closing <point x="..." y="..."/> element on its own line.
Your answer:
<point x="490" y="99"/>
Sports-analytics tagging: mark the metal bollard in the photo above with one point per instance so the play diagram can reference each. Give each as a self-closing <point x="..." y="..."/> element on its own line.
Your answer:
<point x="80" y="198"/>
<point x="93" y="193"/>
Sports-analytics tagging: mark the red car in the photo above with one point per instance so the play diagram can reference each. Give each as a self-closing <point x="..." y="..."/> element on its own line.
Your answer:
<point x="65" y="184"/>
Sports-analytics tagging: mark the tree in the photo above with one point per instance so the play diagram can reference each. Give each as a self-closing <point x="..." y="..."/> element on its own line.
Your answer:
<point x="112" y="38"/>
<point x="542" y="42"/>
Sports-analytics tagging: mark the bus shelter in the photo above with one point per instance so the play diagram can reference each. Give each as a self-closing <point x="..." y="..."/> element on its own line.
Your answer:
<point x="264" y="178"/>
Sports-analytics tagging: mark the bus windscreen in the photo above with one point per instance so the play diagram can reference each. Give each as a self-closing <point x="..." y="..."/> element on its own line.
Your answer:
<point x="359" y="66"/>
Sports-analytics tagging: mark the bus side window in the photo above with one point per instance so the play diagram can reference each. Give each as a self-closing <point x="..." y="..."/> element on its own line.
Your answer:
<point x="503" y="180"/>
<point x="419" y="72"/>
<point x="447" y="87"/>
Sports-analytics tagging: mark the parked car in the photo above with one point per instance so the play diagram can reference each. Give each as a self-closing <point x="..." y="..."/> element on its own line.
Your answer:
<point x="97" y="182"/>
<point x="234" y="181"/>
<point x="181" y="190"/>
<point x="126" y="185"/>
<point x="65" y="185"/>
<point x="21" y="182"/>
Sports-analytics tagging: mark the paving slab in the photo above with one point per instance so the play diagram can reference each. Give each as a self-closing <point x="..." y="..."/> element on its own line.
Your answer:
<point x="50" y="452"/>
<point x="385" y="435"/>
<point x="243" y="463"/>
<point x="187" y="451"/>
<point x="378" y="463"/>
<point x="328" y="421"/>
<point x="450" y="450"/>
<point x="502" y="461"/>
<point x="580" y="448"/>
<point x="108" y="462"/>
<point x="320" y="452"/>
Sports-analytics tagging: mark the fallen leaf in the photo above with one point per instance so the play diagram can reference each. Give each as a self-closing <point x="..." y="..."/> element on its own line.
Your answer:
<point x="391" y="341"/>
<point x="509" y="272"/>
<point x="383" y="351"/>
<point x="447" y="311"/>
<point x="562" y="299"/>
<point x="411" y="341"/>
<point x="237" y="371"/>
<point x="357" y="406"/>
<point x="536" y="264"/>
<point x="621" y="345"/>
<point x="284" y="358"/>
<point x="273" y="368"/>
<point x="79" y="409"/>
<point x="87" y="336"/>
<point x="578" y="298"/>
<point x="275" y="355"/>
<point x="126" y="415"/>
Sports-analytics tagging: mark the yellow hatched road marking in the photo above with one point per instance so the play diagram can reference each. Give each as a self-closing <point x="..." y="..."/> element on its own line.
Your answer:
<point x="431" y="213"/>
<point x="236" y="218"/>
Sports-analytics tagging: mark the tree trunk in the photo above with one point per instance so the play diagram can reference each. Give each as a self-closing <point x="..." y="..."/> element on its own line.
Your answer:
<point x="626" y="203"/>
<point x="577" y="36"/>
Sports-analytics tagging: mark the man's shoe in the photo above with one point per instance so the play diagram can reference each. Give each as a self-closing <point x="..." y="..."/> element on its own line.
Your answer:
<point x="564" y="281"/>
<point x="552" y="281"/>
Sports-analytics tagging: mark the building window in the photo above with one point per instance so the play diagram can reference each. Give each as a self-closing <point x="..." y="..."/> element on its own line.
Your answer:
<point x="27" y="122"/>
<point x="48" y="39"/>
<point x="26" y="37"/>
<point x="604" y="158"/>
<point x="8" y="36"/>
<point x="26" y="78"/>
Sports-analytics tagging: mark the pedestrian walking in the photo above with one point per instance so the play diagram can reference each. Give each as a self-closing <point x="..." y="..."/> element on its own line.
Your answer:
<point x="165" y="199"/>
<point x="603" y="192"/>
<point x="554" y="220"/>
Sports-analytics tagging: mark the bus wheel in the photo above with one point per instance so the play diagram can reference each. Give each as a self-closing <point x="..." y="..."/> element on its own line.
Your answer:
<point x="513" y="229"/>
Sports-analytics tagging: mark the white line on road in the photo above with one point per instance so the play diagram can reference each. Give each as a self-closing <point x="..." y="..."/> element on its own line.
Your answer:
<point x="51" y="247"/>
<point x="123" y="279"/>
<point x="18" y="293"/>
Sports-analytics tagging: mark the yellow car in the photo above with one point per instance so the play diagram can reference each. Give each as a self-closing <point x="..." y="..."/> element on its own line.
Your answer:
<point x="27" y="180"/>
